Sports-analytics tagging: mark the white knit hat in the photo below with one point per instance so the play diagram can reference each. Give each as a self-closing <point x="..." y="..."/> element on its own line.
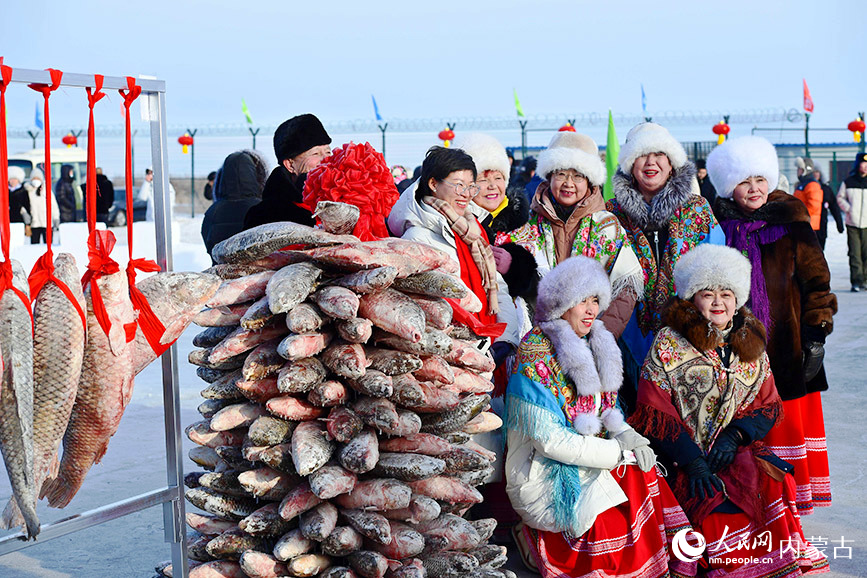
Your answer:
<point x="16" y="173"/>
<point x="646" y="138"/>
<point x="713" y="267"/>
<point x="571" y="150"/>
<point x="570" y="283"/>
<point x="738" y="159"/>
<point x="487" y="152"/>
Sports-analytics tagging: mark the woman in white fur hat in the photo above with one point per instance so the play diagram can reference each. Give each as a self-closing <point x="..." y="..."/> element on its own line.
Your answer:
<point x="569" y="218"/>
<point x="658" y="202"/>
<point x="499" y="209"/>
<point x="582" y="480"/>
<point x="706" y="400"/>
<point x="790" y="293"/>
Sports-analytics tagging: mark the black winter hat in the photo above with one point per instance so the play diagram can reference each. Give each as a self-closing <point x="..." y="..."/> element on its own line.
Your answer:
<point x="298" y="134"/>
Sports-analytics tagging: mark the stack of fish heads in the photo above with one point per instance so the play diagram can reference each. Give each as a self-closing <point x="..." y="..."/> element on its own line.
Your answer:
<point x="326" y="449"/>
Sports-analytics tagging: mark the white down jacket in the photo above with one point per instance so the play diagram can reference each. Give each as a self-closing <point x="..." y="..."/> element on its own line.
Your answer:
<point x="421" y="223"/>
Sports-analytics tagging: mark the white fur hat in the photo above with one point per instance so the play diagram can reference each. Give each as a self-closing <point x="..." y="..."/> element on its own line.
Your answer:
<point x="740" y="158"/>
<point x="571" y="150"/>
<point x="713" y="267"/>
<point x="570" y="283"/>
<point x="646" y="138"/>
<point x="16" y="173"/>
<point x="487" y="152"/>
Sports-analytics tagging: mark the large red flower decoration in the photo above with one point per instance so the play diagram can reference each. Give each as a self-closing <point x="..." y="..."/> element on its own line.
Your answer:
<point x="355" y="174"/>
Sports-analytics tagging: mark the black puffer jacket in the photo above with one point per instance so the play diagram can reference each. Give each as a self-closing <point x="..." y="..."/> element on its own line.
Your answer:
<point x="237" y="188"/>
<point x="521" y="278"/>
<point x="281" y="201"/>
<point x="65" y="193"/>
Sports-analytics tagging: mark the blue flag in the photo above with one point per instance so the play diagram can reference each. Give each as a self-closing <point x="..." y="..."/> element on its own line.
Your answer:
<point x="38" y="118"/>
<point x="643" y="99"/>
<point x="375" y="108"/>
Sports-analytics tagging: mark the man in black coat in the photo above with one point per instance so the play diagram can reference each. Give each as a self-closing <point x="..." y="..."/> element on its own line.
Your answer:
<point x="104" y="196"/>
<point x="65" y="194"/>
<point x="829" y="203"/>
<point x="300" y="144"/>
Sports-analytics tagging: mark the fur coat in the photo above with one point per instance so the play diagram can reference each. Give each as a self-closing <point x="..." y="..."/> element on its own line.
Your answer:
<point x="798" y="289"/>
<point x="687" y="388"/>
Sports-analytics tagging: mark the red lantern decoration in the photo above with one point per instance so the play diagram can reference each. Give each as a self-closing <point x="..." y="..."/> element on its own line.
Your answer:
<point x="186" y="141"/>
<point x="566" y="128"/>
<point x="857" y="127"/>
<point x="446" y="136"/>
<point x="721" y="130"/>
<point x="70" y="140"/>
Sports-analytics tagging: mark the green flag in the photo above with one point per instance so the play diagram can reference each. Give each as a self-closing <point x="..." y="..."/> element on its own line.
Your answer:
<point x="612" y="151"/>
<point x="518" y="108"/>
<point x="246" y="111"/>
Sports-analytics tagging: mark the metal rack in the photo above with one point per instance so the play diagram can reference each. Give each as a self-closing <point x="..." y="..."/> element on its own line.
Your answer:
<point x="172" y="496"/>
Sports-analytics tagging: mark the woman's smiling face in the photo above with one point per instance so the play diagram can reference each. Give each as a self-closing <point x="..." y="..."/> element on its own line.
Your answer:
<point x="651" y="172"/>
<point x="581" y="316"/>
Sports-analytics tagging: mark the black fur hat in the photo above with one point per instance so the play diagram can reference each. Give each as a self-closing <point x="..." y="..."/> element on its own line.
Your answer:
<point x="298" y="134"/>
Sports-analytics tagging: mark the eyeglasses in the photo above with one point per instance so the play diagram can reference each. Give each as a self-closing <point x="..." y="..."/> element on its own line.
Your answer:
<point x="464" y="190"/>
<point x="564" y="176"/>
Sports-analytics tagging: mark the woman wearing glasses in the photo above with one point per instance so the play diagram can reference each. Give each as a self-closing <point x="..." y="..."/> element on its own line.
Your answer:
<point x="569" y="218"/>
<point x="434" y="211"/>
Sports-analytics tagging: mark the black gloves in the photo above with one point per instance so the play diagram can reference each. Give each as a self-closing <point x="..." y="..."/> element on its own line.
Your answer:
<point x="814" y="353"/>
<point x="701" y="481"/>
<point x="725" y="448"/>
<point x="840" y="227"/>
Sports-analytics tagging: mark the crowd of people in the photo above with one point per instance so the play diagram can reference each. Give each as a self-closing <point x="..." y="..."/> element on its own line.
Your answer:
<point x="659" y="355"/>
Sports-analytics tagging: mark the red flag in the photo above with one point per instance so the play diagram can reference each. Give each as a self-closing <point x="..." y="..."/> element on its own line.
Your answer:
<point x="808" y="100"/>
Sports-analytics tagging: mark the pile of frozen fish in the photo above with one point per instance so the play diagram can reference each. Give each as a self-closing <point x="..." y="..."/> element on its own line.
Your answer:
<point x="338" y="420"/>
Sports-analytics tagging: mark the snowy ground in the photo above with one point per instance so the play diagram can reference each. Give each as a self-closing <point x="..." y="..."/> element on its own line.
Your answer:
<point x="135" y="462"/>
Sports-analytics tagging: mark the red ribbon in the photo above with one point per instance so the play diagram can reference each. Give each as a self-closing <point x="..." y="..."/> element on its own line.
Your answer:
<point x="43" y="270"/>
<point x="92" y="98"/>
<point x="151" y="326"/>
<point x="464" y="317"/>
<point x="99" y="246"/>
<point x="6" y="273"/>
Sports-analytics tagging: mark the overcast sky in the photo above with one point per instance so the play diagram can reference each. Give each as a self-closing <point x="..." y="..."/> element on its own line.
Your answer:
<point x="445" y="58"/>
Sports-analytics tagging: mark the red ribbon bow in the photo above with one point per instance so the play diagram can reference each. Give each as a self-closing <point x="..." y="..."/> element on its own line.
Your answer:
<point x="6" y="273"/>
<point x="151" y="326"/>
<point x="99" y="246"/>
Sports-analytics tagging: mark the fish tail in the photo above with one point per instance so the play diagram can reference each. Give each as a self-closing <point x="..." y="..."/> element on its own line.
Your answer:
<point x="60" y="491"/>
<point x="12" y="517"/>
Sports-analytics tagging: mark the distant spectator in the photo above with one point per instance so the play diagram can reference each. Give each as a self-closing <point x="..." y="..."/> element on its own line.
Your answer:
<point x="65" y="193"/>
<point x="104" y="196"/>
<point x="784" y="185"/>
<point x="398" y="172"/>
<point x="209" y="186"/>
<point x="300" y="144"/>
<point x="19" y="200"/>
<point x="829" y="202"/>
<point x="146" y="193"/>
<point x="533" y="180"/>
<point x="809" y="191"/>
<point x="404" y="184"/>
<point x="238" y="186"/>
<point x="852" y="198"/>
<point x="38" y="211"/>
<point x="704" y="184"/>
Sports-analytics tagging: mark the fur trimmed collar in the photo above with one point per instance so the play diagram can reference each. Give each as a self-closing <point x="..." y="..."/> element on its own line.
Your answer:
<point x="515" y="214"/>
<point x="781" y="209"/>
<point x="748" y="338"/>
<point x="594" y="369"/>
<point x="654" y="216"/>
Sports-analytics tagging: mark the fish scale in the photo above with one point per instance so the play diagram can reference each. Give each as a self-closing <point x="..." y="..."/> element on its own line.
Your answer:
<point x="104" y="390"/>
<point x="16" y="398"/>
<point x="58" y="347"/>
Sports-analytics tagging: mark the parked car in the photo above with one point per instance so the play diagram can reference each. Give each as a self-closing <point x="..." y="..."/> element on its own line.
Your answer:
<point x="74" y="156"/>
<point x="117" y="214"/>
